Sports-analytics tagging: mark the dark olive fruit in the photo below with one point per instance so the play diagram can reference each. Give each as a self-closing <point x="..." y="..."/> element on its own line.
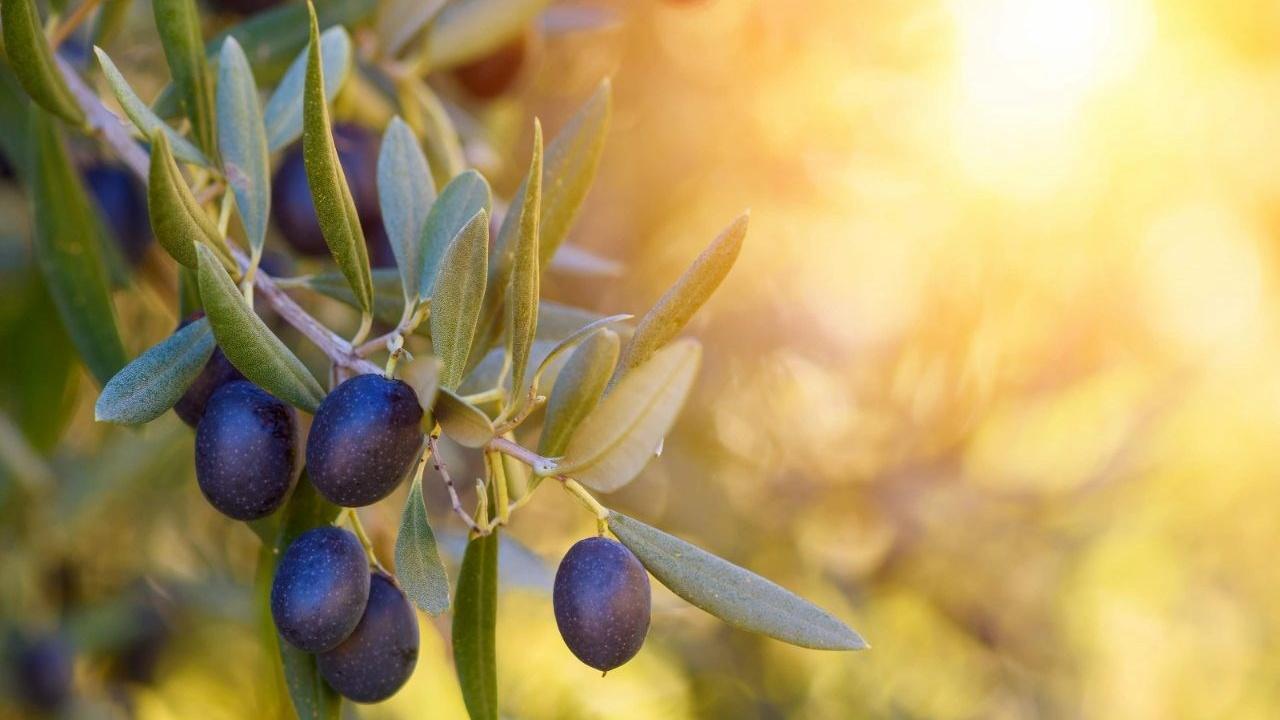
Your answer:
<point x="43" y="671"/>
<point x="6" y="170"/>
<point x="379" y="656"/>
<point x="218" y="371"/>
<point x="493" y="74"/>
<point x="246" y="454"/>
<point x="295" y="213"/>
<point x="601" y="601"/>
<point x="320" y="590"/>
<point x="243" y="7"/>
<point x="123" y="204"/>
<point x="364" y="439"/>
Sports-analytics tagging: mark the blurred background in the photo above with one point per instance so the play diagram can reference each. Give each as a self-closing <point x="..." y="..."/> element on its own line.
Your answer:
<point x="994" y="380"/>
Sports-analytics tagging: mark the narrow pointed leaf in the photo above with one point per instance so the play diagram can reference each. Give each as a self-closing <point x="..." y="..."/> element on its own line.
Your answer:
<point x="737" y="596"/>
<point x="152" y="383"/>
<point x="405" y="194"/>
<point x="67" y="252"/>
<point x="248" y="343"/>
<point x="463" y="422"/>
<point x="110" y="20"/>
<point x="572" y="340"/>
<point x="387" y="304"/>
<point x="32" y="60"/>
<point x="474" y="623"/>
<point x="570" y="169"/>
<point x="140" y="114"/>
<point x="523" y="288"/>
<point x="177" y="219"/>
<point x="243" y="143"/>
<point x="418" y="565"/>
<point x="459" y="292"/>
<point x="401" y="20"/>
<point x="311" y="696"/>
<point x="674" y="309"/>
<point x="335" y="209"/>
<point x="439" y="136"/>
<point x="617" y="439"/>
<point x="178" y="23"/>
<point x="578" y="389"/>
<point x="283" y="113"/>
<point x="469" y="29"/>
<point x="464" y="196"/>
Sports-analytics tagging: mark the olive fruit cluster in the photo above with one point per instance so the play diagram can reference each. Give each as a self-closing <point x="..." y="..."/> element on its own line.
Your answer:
<point x="601" y="602"/>
<point x="325" y="601"/>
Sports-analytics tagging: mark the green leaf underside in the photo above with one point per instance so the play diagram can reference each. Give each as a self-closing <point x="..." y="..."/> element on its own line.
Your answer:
<point x="578" y="389"/>
<point x="282" y="115"/>
<point x="467" y="30"/>
<point x="178" y="221"/>
<point x="523" y="286"/>
<point x="737" y="596"/>
<point x="674" y="309"/>
<point x="178" y="23"/>
<point x="140" y="114"/>
<point x="440" y="138"/>
<point x="387" y="305"/>
<point x="156" y="380"/>
<point x="464" y="423"/>
<point x="617" y="438"/>
<point x="418" y="565"/>
<point x="405" y="194"/>
<point x="32" y="60"/>
<point x="464" y="196"/>
<point x="67" y="252"/>
<point x="457" y="297"/>
<point x="474" y="621"/>
<point x="243" y="143"/>
<point x="249" y="344"/>
<point x="335" y="209"/>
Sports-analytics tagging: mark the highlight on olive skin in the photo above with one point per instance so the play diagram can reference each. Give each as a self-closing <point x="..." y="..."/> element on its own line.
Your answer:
<point x="320" y="589"/>
<point x="601" y="600"/>
<point x="378" y="657"/>
<point x="246" y="454"/>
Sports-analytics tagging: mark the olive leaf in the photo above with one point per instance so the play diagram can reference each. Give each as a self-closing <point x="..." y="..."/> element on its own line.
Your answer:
<point x="474" y="624"/>
<point x="110" y="20"/>
<point x="15" y="119"/>
<point x="282" y="115"/>
<point x="153" y="382"/>
<point x="401" y="20"/>
<point x="456" y="299"/>
<point x="178" y="22"/>
<point x="140" y="114"/>
<point x="523" y="288"/>
<point x="463" y="422"/>
<point x="571" y="341"/>
<point x="578" y="389"/>
<point x="311" y="696"/>
<point x="418" y="564"/>
<point x="615" y="441"/>
<point x="423" y="375"/>
<point x="248" y="343"/>
<point x="674" y="309"/>
<point x="405" y="194"/>
<point x="570" y="169"/>
<point x="574" y="261"/>
<point x="737" y="596"/>
<point x="466" y="30"/>
<point x="33" y="63"/>
<point x="67" y="252"/>
<point x="387" y="305"/>
<point x="243" y="142"/>
<point x="335" y="209"/>
<point x="464" y="196"/>
<point x="178" y="221"/>
<point x="439" y="137"/>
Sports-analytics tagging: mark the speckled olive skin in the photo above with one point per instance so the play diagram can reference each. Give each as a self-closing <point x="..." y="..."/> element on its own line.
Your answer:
<point x="364" y="439"/>
<point x="295" y="213"/>
<point x="43" y="670"/>
<point x="218" y="371"/>
<point x="246" y="454"/>
<point x="493" y="74"/>
<point x="122" y="201"/>
<point x="601" y="601"/>
<point x="378" y="658"/>
<point x="320" y="589"/>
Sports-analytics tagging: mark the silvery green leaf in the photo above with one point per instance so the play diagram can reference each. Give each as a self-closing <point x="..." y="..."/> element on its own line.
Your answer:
<point x="464" y="196"/>
<point x="243" y="143"/>
<point x="405" y="194"/>
<point x="571" y="340"/>
<point x="140" y="114"/>
<point x="616" y="440"/>
<point x="440" y="137"/>
<point x="177" y="219"/>
<point x="156" y="379"/>
<point x="31" y="58"/>
<point x="418" y="565"/>
<point x="456" y="299"/>
<point x="737" y="596"/>
<point x="464" y="423"/>
<point x="401" y="20"/>
<point x="387" y="305"/>
<point x="467" y="30"/>
<point x="578" y="389"/>
<point x="474" y="620"/>
<point x="178" y="23"/>
<point x="570" y="168"/>
<point x="576" y="262"/>
<point x="524" y="288"/>
<point x="283" y="113"/>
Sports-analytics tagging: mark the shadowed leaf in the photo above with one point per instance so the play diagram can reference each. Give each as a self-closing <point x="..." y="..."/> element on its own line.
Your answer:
<point x="243" y="142"/>
<point x="464" y="423"/>
<point x="283" y="114"/>
<point x="177" y="219"/>
<point x="140" y="114"/>
<point x="418" y="565"/>
<point x="178" y="23"/>
<point x="474" y="621"/>
<point x="156" y="380"/>
<point x="32" y="61"/>
<point x="405" y="194"/>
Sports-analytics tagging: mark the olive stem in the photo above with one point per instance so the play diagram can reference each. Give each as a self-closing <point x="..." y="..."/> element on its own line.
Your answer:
<point x="541" y="465"/>
<point x="601" y="512"/>
<point x="366" y="323"/>
<point x="353" y="519"/>
<point x="484" y="397"/>
<point x="454" y="500"/>
<point x="500" y="489"/>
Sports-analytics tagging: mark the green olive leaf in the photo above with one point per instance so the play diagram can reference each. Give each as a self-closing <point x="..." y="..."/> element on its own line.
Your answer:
<point x="400" y="21"/>
<point x="242" y="141"/>
<point x="248" y="343"/>
<point x="571" y="341"/>
<point x="578" y="389"/>
<point x="464" y="196"/>
<point x="674" y="309"/>
<point x="423" y="375"/>
<point x="467" y="30"/>
<point x="335" y="209"/>
<point x="177" y="219"/>
<point x="474" y="622"/>
<point x="387" y="305"/>
<point x="523" y="288"/>
<point x="405" y="194"/>
<point x="33" y="63"/>
<point x="619" y="436"/>
<point x="737" y="596"/>
<point x="178" y="22"/>
<point x="156" y="379"/>
<point x="140" y="114"/>
<point x="110" y="20"/>
<point x="67" y="252"/>
<point x="418" y="564"/>
<point x="457" y="297"/>
<point x="463" y="422"/>
<point x="570" y="169"/>
<point x="283" y="113"/>
<point x="439" y="136"/>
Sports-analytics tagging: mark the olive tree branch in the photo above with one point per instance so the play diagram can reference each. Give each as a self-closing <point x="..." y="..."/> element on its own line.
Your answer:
<point x="438" y="463"/>
<point x="545" y="466"/>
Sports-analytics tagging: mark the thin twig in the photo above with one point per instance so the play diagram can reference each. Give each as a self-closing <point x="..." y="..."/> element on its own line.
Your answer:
<point x="438" y="463"/>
